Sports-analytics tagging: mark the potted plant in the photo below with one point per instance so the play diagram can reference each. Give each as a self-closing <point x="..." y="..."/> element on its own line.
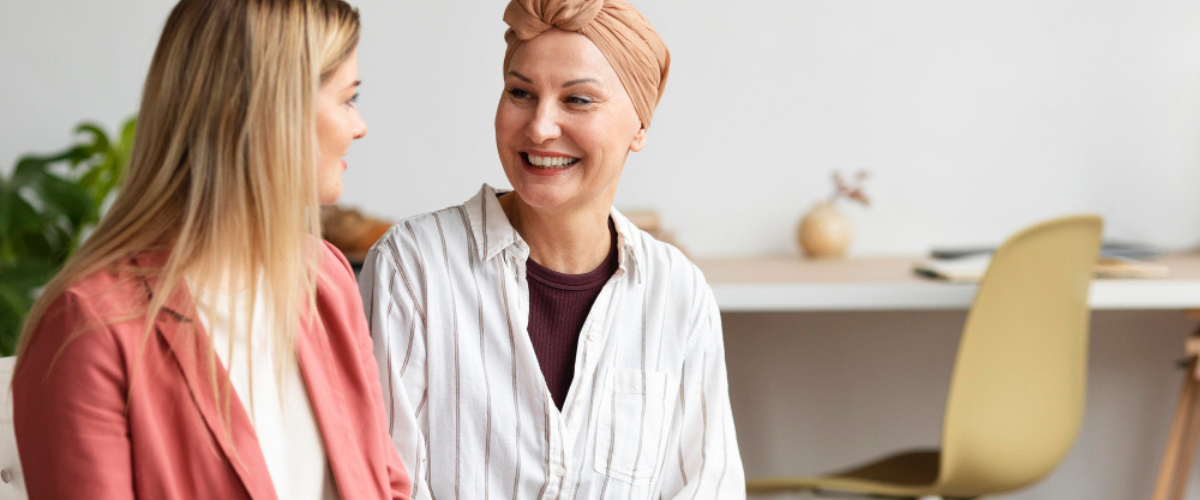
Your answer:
<point x="47" y="207"/>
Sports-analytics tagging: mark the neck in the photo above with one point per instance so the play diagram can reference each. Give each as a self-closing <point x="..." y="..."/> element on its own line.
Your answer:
<point x="566" y="241"/>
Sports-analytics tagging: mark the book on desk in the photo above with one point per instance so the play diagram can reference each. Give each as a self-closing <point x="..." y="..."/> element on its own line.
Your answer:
<point x="1117" y="260"/>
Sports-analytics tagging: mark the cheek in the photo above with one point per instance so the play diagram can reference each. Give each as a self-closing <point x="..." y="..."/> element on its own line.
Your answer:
<point x="326" y="132"/>
<point x="507" y="122"/>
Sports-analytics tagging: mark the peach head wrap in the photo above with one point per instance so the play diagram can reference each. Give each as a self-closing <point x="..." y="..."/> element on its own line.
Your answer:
<point x="626" y="39"/>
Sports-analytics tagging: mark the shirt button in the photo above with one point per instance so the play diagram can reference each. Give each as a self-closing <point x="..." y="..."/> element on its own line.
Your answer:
<point x="592" y="336"/>
<point x="6" y="476"/>
<point x="560" y="471"/>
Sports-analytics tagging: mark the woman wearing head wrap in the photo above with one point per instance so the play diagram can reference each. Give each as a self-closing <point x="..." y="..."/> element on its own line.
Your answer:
<point x="535" y="344"/>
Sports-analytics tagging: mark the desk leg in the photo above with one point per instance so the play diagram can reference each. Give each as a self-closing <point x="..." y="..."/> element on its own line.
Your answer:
<point x="1185" y="429"/>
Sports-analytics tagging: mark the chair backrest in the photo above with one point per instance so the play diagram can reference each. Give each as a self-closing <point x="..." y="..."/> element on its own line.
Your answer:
<point x="1017" y="392"/>
<point x="12" y="482"/>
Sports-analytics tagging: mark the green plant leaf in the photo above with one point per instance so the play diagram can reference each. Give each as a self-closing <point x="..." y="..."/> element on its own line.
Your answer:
<point x="18" y="284"/>
<point x="20" y="238"/>
<point x="12" y="318"/>
<point x="100" y="143"/>
<point x="46" y="209"/>
<point x="7" y="206"/>
<point x="125" y="144"/>
<point x="29" y="165"/>
<point x="63" y="197"/>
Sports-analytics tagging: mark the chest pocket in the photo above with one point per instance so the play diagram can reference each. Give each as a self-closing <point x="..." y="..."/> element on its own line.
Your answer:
<point x="634" y="413"/>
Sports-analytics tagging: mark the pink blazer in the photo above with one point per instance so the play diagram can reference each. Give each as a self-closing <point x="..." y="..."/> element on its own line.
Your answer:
<point x="78" y="438"/>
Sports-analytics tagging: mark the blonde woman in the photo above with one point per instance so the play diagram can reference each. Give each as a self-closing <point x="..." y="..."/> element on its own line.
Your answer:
<point x="203" y="343"/>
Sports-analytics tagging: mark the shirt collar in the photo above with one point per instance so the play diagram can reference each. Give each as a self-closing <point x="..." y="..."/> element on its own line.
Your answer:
<point x="493" y="233"/>
<point x="629" y="244"/>
<point x="489" y="226"/>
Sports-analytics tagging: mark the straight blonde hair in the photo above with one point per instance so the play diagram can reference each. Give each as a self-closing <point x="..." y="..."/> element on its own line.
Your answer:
<point x="222" y="178"/>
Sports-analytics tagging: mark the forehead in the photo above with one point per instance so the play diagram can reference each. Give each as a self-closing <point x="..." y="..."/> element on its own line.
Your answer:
<point x="561" y="55"/>
<point x="345" y="74"/>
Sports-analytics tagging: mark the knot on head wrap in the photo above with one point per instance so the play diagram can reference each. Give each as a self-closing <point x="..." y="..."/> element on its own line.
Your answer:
<point x="631" y="46"/>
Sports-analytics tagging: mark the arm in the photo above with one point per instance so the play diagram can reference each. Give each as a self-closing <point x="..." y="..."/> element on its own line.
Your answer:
<point x="705" y="462"/>
<point x="398" y="478"/>
<point x="399" y="352"/>
<point x="69" y="408"/>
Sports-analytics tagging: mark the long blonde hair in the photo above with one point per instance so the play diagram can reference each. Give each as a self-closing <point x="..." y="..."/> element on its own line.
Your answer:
<point x="222" y="177"/>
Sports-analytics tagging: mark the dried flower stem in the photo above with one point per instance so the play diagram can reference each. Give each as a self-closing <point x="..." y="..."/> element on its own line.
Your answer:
<point x="850" y="190"/>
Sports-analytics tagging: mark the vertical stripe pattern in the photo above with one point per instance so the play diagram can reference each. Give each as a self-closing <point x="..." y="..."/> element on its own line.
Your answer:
<point x="648" y="415"/>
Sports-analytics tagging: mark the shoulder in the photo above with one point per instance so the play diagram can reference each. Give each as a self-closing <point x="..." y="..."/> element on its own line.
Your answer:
<point x="89" y="322"/>
<point x="662" y="263"/>
<point x="675" y="282"/>
<point x="337" y="287"/>
<point x="111" y="296"/>
<point x="403" y="244"/>
<point x="333" y="268"/>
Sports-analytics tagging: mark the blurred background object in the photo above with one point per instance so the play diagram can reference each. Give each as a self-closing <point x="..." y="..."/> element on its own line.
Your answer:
<point x="650" y="222"/>
<point x="351" y="231"/>
<point x="47" y="207"/>
<point x="825" y="232"/>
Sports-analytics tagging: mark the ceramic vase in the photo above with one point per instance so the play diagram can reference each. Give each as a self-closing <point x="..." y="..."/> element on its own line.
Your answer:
<point x="825" y="232"/>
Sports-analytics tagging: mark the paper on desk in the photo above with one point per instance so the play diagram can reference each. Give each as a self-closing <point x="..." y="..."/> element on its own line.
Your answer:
<point x="962" y="269"/>
<point x="972" y="268"/>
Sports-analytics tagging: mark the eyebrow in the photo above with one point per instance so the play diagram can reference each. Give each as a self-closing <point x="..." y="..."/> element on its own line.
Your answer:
<point x="568" y="84"/>
<point x="579" y="81"/>
<point x="353" y="85"/>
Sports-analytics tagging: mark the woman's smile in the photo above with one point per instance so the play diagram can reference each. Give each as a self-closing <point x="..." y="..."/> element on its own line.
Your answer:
<point x="543" y="163"/>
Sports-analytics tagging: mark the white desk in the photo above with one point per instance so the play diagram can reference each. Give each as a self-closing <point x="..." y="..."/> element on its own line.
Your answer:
<point x="790" y="283"/>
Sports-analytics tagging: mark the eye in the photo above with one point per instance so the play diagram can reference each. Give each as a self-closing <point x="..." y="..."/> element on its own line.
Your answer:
<point x="579" y="100"/>
<point x="518" y="93"/>
<point x="353" y="100"/>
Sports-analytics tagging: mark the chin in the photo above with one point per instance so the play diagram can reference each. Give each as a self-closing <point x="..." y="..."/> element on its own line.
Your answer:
<point x="544" y="196"/>
<point x="330" y="197"/>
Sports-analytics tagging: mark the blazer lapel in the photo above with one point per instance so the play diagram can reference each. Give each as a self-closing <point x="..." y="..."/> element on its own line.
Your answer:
<point x="179" y="327"/>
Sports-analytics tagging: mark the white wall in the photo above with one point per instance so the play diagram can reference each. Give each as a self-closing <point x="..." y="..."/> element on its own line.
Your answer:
<point x="976" y="117"/>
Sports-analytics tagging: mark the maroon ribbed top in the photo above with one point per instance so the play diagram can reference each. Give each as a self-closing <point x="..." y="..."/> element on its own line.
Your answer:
<point x="558" y="306"/>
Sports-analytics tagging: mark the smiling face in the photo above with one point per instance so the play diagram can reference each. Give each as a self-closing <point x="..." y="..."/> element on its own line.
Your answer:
<point x="338" y="124"/>
<point x="564" y="124"/>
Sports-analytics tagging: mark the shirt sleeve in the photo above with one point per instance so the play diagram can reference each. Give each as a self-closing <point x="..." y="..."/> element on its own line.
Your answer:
<point x="397" y="332"/>
<point x="69" y="396"/>
<point x="706" y="462"/>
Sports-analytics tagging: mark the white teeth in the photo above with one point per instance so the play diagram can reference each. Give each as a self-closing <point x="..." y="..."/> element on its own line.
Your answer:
<point x="551" y="161"/>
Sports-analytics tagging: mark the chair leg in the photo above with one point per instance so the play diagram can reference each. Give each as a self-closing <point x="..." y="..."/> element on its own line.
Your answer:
<point x="1185" y="430"/>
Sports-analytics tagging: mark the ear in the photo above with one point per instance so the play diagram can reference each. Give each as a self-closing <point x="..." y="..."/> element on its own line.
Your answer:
<point x="639" y="140"/>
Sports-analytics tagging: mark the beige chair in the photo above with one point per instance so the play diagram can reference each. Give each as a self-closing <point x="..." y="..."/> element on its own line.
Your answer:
<point x="12" y="483"/>
<point x="1017" y="391"/>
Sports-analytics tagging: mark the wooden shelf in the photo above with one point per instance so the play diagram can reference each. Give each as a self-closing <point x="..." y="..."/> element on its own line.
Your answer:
<point x="790" y="283"/>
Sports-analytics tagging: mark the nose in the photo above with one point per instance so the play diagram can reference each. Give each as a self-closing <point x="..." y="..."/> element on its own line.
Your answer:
<point x="360" y="126"/>
<point x="544" y="124"/>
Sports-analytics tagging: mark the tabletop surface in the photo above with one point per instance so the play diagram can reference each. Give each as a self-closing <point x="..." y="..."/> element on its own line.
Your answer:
<point x="791" y="283"/>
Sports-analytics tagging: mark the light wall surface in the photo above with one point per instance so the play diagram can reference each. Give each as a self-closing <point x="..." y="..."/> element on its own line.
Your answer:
<point x="975" y="118"/>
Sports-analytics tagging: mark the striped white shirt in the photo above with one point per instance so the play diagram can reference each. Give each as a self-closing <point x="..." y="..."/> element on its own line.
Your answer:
<point x="647" y="414"/>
